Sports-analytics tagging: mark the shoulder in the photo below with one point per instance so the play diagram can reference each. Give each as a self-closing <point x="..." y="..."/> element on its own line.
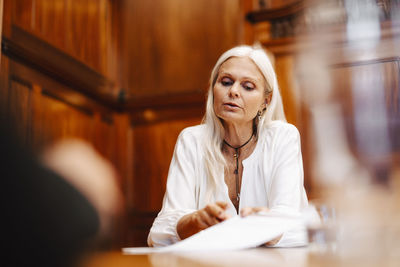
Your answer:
<point x="192" y="132"/>
<point x="282" y="130"/>
<point x="189" y="140"/>
<point x="192" y="136"/>
<point x="279" y="135"/>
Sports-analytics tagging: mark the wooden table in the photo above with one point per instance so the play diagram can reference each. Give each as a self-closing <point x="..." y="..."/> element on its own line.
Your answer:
<point x="299" y="257"/>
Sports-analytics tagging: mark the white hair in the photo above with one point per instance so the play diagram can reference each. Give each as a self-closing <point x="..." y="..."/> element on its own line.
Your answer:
<point x="214" y="159"/>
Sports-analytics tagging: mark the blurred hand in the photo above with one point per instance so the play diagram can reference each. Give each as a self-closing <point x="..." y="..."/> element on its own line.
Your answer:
<point x="253" y="210"/>
<point x="246" y="211"/>
<point x="90" y="173"/>
<point x="193" y="223"/>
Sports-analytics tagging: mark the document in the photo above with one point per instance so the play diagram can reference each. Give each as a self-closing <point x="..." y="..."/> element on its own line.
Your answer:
<point x="233" y="234"/>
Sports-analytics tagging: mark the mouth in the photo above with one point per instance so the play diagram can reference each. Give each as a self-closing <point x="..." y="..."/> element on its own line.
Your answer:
<point x="231" y="105"/>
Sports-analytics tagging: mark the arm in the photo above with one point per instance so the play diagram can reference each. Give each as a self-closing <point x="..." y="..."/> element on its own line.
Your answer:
<point x="286" y="190"/>
<point x="180" y="217"/>
<point x="193" y="223"/>
<point x="179" y="198"/>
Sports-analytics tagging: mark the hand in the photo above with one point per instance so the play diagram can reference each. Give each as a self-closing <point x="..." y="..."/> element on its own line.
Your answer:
<point x="252" y="210"/>
<point x="193" y="223"/>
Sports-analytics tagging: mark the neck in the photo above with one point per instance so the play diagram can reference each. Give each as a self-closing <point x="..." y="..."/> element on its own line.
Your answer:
<point x="237" y="135"/>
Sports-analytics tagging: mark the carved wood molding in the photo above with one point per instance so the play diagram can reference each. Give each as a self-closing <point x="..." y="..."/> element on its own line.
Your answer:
<point x="40" y="55"/>
<point x="275" y="13"/>
<point x="27" y="49"/>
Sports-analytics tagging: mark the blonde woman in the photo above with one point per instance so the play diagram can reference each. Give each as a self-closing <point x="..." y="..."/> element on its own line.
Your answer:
<point x="242" y="159"/>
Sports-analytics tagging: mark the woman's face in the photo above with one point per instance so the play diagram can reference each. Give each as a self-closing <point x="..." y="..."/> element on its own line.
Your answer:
<point x="239" y="91"/>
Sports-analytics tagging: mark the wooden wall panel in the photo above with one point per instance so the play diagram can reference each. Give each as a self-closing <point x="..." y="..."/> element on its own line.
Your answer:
<point x="284" y="65"/>
<point x="49" y="18"/>
<point x="21" y="13"/>
<point x="169" y="47"/>
<point x="3" y="84"/>
<point x="153" y="149"/>
<point x="81" y="28"/>
<point x="55" y="120"/>
<point x="19" y="106"/>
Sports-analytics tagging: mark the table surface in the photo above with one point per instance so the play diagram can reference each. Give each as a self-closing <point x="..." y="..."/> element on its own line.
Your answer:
<point x="301" y="257"/>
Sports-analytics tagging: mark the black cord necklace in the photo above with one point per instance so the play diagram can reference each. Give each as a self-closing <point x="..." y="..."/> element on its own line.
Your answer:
<point x="236" y="156"/>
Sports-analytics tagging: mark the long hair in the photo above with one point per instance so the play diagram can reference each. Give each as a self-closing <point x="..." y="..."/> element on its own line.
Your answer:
<point x="214" y="159"/>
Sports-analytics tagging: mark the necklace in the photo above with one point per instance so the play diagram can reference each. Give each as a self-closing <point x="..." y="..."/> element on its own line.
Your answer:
<point x="236" y="156"/>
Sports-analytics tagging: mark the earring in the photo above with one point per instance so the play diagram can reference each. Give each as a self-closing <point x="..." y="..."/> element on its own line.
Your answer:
<point x="259" y="113"/>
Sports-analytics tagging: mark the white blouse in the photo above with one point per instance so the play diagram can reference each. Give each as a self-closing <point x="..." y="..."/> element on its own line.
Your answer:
<point x="272" y="177"/>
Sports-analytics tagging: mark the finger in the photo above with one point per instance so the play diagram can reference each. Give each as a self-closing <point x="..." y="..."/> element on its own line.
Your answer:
<point x="199" y="221"/>
<point x="222" y="204"/>
<point x="246" y="211"/>
<point x="207" y="219"/>
<point x="260" y="209"/>
<point x="274" y="241"/>
<point x="224" y="215"/>
<point x="214" y="210"/>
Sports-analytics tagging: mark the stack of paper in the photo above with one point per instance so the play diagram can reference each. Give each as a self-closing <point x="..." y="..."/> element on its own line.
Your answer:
<point x="233" y="234"/>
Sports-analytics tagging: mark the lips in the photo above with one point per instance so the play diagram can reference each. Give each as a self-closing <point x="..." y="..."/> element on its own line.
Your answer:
<point x="231" y="104"/>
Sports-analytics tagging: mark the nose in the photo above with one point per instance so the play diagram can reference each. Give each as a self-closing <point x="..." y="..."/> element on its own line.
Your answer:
<point x="234" y="90"/>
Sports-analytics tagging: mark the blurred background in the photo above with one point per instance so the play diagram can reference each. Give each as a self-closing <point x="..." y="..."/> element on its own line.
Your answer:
<point x="128" y="75"/>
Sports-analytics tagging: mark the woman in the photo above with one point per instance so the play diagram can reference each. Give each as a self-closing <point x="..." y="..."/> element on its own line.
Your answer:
<point x="244" y="158"/>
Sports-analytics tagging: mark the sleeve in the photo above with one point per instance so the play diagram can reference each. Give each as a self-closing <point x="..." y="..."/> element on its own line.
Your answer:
<point x="179" y="198"/>
<point x="286" y="193"/>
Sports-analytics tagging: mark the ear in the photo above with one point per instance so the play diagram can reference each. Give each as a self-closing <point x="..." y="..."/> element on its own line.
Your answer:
<point x="268" y="99"/>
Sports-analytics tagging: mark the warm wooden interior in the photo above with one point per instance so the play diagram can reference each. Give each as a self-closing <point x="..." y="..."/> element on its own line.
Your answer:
<point x="128" y="76"/>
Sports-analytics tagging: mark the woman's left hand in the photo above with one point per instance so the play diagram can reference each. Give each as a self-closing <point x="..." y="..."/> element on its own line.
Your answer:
<point x="253" y="210"/>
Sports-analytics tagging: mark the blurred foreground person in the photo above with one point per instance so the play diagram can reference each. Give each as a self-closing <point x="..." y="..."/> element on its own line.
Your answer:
<point x="245" y="158"/>
<point x="52" y="215"/>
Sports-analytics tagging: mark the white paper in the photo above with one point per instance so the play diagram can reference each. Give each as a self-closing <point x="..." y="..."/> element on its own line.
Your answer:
<point x="139" y="250"/>
<point x="233" y="234"/>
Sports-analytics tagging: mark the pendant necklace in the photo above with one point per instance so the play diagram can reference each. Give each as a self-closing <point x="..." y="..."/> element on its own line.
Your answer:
<point x="236" y="156"/>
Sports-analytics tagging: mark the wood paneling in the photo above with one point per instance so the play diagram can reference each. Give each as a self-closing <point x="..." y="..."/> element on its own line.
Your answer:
<point x="153" y="148"/>
<point x="80" y="28"/>
<point x="30" y="50"/>
<point x="19" y="106"/>
<point x="284" y="65"/>
<point x="169" y="47"/>
<point x="4" y="84"/>
<point x="158" y="56"/>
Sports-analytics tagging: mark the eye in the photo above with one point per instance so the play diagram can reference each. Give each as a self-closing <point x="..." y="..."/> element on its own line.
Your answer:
<point x="226" y="81"/>
<point x="248" y="86"/>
